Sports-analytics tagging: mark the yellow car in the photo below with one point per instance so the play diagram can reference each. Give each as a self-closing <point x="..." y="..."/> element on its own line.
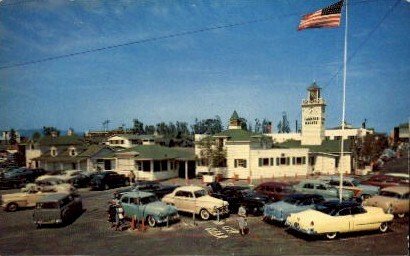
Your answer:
<point x="332" y="218"/>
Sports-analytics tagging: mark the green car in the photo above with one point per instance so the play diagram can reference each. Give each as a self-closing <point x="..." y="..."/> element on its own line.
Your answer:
<point x="146" y="206"/>
<point x="320" y="187"/>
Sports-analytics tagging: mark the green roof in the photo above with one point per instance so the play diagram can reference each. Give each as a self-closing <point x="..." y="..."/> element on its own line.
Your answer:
<point x="237" y="135"/>
<point x="327" y="146"/>
<point x="61" y="140"/>
<point x="157" y="152"/>
<point x="92" y="150"/>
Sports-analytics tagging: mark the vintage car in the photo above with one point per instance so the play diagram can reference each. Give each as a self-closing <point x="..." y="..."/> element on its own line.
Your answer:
<point x="279" y="211"/>
<point x="394" y="200"/>
<point x="332" y="218"/>
<point x="12" y="202"/>
<point x="275" y="190"/>
<point x="108" y="179"/>
<point x="64" y="175"/>
<point x="57" y="208"/>
<point x="350" y="183"/>
<point x="384" y="181"/>
<point x="146" y="206"/>
<point x="195" y="199"/>
<point x="322" y="188"/>
<point x="16" y="178"/>
<point x="49" y="185"/>
<point x="239" y="195"/>
<point x="159" y="189"/>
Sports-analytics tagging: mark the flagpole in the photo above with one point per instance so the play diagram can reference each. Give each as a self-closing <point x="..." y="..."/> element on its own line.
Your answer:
<point x="343" y="111"/>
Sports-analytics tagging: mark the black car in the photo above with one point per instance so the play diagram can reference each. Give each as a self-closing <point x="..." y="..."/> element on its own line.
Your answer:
<point x="108" y="179"/>
<point x="159" y="189"/>
<point x="237" y="195"/>
<point x="17" y="177"/>
<point x="81" y="180"/>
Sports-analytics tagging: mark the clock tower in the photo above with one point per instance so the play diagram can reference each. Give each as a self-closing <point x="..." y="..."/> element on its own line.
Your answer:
<point x="313" y="117"/>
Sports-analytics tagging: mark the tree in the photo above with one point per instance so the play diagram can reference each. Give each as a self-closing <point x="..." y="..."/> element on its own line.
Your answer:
<point x="283" y="125"/>
<point x="149" y="129"/>
<point x="266" y="126"/>
<point x="47" y="130"/>
<point x="212" y="152"/>
<point x="243" y="123"/>
<point x="138" y="127"/>
<point x="13" y="137"/>
<point x="369" y="149"/>
<point x="207" y="126"/>
<point x="258" y="126"/>
<point x="36" y="136"/>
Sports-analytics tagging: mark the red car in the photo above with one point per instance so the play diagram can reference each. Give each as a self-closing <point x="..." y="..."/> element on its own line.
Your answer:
<point x="275" y="190"/>
<point x="384" y="181"/>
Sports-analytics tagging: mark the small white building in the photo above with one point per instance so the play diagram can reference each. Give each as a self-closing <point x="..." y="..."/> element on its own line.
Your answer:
<point x="130" y="140"/>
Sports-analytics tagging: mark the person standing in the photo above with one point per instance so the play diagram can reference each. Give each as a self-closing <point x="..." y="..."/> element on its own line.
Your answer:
<point x="243" y="229"/>
<point x="132" y="177"/>
<point x="119" y="217"/>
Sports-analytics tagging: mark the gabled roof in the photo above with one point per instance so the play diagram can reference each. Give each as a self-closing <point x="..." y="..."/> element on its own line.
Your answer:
<point x="327" y="146"/>
<point x="136" y="136"/>
<point x="61" y="140"/>
<point x="238" y="135"/>
<point x="94" y="149"/>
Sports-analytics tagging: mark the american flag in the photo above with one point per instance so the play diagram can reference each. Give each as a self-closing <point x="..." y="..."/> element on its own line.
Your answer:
<point x="327" y="17"/>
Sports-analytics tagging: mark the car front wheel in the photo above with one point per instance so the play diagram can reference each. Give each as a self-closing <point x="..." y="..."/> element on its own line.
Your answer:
<point x="12" y="207"/>
<point x="383" y="227"/>
<point x="204" y="214"/>
<point x="151" y="221"/>
<point x="331" y="236"/>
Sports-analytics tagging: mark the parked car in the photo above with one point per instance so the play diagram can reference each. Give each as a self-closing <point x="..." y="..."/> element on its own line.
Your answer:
<point x="295" y="203"/>
<point x="49" y="185"/>
<point x="384" y="181"/>
<point x="195" y="199"/>
<point x="394" y="200"/>
<point x="12" y="202"/>
<point x="275" y="190"/>
<point x="332" y="218"/>
<point x="159" y="189"/>
<point x="65" y="175"/>
<point x="107" y="180"/>
<point x="81" y="180"/>
<point x="146" y="207"/>
<point x="24" y="175"/>
<point x="350" y="183"/>
<point x="58" y="208"/>
<point x="11" y="183"/>
<point x="322" y="188"/>
<point x="238" y="195"/>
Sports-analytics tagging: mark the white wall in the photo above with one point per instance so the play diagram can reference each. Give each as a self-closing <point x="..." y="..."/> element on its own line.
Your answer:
<point x="282" y="137"/>
<point x="325" y="164"/>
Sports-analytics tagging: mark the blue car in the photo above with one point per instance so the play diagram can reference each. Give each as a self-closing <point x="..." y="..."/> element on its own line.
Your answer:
<point x="279" y="211"/>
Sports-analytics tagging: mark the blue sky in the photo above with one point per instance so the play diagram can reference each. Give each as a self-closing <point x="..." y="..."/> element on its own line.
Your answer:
<point x="259" y="69"/>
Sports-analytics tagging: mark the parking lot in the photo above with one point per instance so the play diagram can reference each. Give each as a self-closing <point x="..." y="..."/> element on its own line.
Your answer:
<point x="91" y="234"/>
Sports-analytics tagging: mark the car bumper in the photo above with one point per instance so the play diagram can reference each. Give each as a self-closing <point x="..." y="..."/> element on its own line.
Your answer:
<point x="43" y="222"/>
<point x="221" y="211"/>
<point x="171" y="218"/>
<point x="296" y="227"/>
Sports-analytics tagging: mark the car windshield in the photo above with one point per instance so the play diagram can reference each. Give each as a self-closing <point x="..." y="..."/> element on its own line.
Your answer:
<point x="248" y="192"/>
<point x="356" y="183"/>
<point x="13" y="172"/>
<point x="389" y="194"/>
<point x="48" y="205"/>
<point x="200" y="193"/>
<point x="291" y="200"/>
<point x="148" y="199"/>
<point x="326" y="209"/>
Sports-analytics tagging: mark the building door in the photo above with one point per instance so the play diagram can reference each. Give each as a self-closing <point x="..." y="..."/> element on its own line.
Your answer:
<point x="107" y="164"/>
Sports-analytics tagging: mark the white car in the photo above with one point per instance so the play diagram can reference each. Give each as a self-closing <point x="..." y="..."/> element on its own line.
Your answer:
<point x="195" y="199"/>
<point x="51" y="184"/>
<point x="65" y="175"/>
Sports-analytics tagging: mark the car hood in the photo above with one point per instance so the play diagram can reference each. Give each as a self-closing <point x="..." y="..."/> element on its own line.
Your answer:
<point x="379" y="200"/>
<point x="369" y="188"/>
<point x="209" y="199"/>
<point x="160" y="207"/>
<point x="19" y="195"/>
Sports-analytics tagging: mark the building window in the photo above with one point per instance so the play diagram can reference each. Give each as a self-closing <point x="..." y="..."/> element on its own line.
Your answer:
<point x="32" y="146"/>
<point x="172" y="165"/>
<point x="327" y="137"/>
<point x="338" y="137"/>
<point x="138" y="165"/>
<point x="282" y="161"/>
<point x="240" y="163"/>
<point x="53" y="151"/>
<point x="298" y="160"/>
<point x="312" y="160"/>
<point x="122" y="141"/>
<point x="263" y="161"/>
<point x="157" y="166"/>
<point x="164" y="165"/>
<point x="144" y="166"/>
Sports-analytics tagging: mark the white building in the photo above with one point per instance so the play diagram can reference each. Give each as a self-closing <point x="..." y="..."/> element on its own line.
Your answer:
<point x="6" y="135"/>
<point x="254" y="156"/>
<point x="130" y="140"/>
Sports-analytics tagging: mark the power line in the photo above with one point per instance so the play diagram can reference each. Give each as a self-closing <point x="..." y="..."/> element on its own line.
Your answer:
<point x="152" y="39"/>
